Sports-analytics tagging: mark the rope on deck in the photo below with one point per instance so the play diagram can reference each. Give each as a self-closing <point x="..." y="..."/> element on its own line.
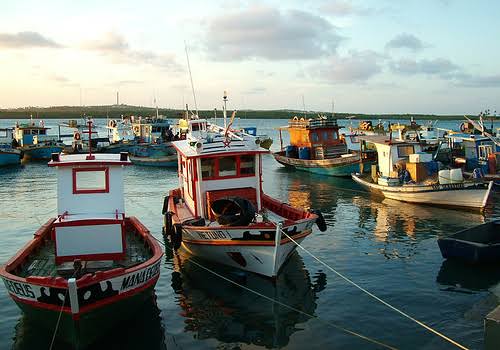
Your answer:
<point x="348" y="331"/>
<point x="345" y="278"/>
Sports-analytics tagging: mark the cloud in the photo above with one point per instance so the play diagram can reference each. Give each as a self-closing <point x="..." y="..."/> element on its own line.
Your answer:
<point x="358" y="66"/>
<point x="264" y="32"/>
<point x="406" y="41"/>
<point x="26" y="40"/>
<point x="343" y="8"/>
<point x="116" y="46"/>
<point x="492" y="81"/>
<point x="440" y="66"/>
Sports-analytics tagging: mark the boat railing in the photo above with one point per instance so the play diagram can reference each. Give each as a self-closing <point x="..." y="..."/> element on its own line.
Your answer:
<point x="312" y="123"/>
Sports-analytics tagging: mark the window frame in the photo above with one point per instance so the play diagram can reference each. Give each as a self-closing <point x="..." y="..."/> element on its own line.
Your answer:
<point x="92" y="169"/>
<point x="407" y="154"/>
<point x="216" y="175"/>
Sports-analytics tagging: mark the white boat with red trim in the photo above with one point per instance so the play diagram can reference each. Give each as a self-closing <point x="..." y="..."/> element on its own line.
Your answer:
<point x="220" y="213"/>
<point x="92" y="266"/>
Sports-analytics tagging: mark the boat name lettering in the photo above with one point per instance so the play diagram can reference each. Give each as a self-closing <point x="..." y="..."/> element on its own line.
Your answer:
<point x="212" y="235"/>
<point x="20" y="289"/>
<point x="140" y="276"/>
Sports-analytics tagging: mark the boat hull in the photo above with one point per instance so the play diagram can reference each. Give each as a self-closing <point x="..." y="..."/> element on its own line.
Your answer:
<point x="10" y="157"/>
<point x="342" y="167"/>
<point x="460" y="195"/>
<point x="169" y="162"/>
<point x="40" y="152"/>
<point x="263" y="258"/>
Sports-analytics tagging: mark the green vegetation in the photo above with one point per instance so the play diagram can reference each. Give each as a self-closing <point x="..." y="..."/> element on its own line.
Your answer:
<point x="115" y="111"/>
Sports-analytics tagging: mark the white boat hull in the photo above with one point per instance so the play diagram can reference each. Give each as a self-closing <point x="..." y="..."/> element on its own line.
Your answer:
<point x="225" y="245"/>
<point x="467" y="195"/>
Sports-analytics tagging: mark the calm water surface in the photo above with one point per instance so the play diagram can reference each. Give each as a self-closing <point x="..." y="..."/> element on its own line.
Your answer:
<point x="387" y="247"/>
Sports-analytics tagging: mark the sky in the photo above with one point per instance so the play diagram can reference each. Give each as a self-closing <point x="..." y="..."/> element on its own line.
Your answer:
<point x="430" y="57"/>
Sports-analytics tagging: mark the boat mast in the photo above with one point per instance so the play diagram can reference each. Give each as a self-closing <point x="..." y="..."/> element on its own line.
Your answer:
<point x="191" y="78"/>
<point x="304" y="107"/>
<point x="224" y="113"/>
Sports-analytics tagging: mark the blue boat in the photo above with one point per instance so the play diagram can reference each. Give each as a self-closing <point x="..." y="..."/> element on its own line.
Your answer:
<point x="8" y="154"/>
<point x="34" y="142"/>
<point x="315" y="146"/>
<point x="479" y="244"/>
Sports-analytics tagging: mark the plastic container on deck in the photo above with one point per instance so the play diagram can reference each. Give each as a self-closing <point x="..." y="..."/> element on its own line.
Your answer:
<point x="251" y="131"/>
<point x="291" y="151"/>
<point x="456" y="176"/>
<point x="444" y="176"/>
<point x="304" y="153"/>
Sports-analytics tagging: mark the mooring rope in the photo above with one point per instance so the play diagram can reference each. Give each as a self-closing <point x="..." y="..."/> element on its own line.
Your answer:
<point x="345" y="278"/>
<point x="58" y="321"/>
<point x="348" y="331"/>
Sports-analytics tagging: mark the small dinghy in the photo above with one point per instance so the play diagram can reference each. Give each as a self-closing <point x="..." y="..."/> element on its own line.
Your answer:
<point x="479" y="244"/>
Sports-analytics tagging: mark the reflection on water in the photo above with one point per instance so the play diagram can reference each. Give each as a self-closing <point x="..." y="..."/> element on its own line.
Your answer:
<point x="145" y="331"/>
<point x="215" y="308"/>
<point x="458" y="276"/>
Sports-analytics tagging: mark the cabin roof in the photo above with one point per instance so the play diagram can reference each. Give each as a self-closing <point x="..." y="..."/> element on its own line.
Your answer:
<point x="216" y="148"/>
<point x="468" y="137"/>
<point x="81" y="159"/>
<point x="384" y="140"/>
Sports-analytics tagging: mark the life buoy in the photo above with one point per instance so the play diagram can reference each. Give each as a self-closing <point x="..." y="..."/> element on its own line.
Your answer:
<point x="77" y="136"/>
<point x="320" y="221"/>
<point x="462" y="127"/>
<point x="295" y="118"/>
<point x="112" y="123"/>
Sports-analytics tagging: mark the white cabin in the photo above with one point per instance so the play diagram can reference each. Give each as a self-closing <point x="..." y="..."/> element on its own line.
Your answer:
<point x="6" y="136"/>
<point x="90" y="206"/>
<point x="390" y="151"/>
<point x="213" y="164"/>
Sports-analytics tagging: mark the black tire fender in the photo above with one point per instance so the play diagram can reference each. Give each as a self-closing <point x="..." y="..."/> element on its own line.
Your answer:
<point x="176" y="236"/>
<point x="320" y="221"/>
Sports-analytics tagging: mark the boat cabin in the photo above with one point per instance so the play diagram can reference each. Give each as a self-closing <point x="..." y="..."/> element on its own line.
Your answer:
<point x="213" y="165"/>
<point x="90" y="207"/>
<point x="473" y="150"/>
<point x="6" y="136"/>
<point x="30" y="133"/>
<point x="390" y="151"/>
<point x="152" y="130"/>
<point x="316" y="138"/>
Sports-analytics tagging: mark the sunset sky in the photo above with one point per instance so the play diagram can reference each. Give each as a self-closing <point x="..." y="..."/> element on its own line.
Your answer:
<point x="369" y="56"/>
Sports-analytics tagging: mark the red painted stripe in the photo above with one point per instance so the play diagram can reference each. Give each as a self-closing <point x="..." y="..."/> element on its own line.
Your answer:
<point x="245" y="243"/>
<point x="86" y="162"/>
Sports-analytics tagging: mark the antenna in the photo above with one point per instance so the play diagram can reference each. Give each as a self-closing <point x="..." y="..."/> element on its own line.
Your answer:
<point x="156" y="104"/>
<point x="304" y="106"/>
<point x="333" y="108"/>
<point x="224" y="108"/>
<point x="191" y="78"/>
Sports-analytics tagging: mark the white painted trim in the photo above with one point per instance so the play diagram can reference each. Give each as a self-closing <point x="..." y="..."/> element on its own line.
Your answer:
<point x="73" y="296"/>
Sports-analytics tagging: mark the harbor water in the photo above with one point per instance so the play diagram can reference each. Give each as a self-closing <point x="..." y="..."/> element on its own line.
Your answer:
<point x="390" y="248"/>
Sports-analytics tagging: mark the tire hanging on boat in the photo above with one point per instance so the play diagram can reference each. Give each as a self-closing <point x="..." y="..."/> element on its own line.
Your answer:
<point x="168" y="227"/>
<point x="233" y="211"/>
<point x="320" y="221"/>
<point x="176" y="236"/>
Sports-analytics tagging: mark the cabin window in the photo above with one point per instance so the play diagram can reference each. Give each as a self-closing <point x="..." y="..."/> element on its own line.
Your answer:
<point x="247" y="165"/>
<point x="227" y="166"/>
<point x="325" y="135"/>
<point x="314" y="137"/>
<point x="405" y="151"/>
<point x="208" y="168"/>
<point x="3" y="133"/>
<point x="90" y="180"/>
<point x="335" y="135"/>
<point x="485" y="151"/>
<point x="195" y="127"/>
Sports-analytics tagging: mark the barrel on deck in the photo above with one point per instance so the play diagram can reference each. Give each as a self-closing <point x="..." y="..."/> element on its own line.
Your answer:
<point x="304" y="153"/>
<point x="291" y="151"/>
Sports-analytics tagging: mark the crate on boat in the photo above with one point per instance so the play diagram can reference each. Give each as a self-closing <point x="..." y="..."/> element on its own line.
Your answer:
<point x="420" y="157"/>
<point x="388" y="181"/>
<point x="418" y="171"/>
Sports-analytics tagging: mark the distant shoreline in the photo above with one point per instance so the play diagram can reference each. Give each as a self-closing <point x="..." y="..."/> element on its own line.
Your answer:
<point x="115" y="112"/>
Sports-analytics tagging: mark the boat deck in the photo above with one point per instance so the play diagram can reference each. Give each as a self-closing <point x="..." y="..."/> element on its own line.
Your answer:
<point x="42" y="262"/>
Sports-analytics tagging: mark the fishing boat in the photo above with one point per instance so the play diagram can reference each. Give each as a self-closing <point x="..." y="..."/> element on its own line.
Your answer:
<point x="91" y="267"/>
<point x="219" y="211"/>
<point x="153" y="146"/>
<point x="33" y="141"/>
<point x="81" y="139"/>
<point x="405" y="173"/>
<point x="9" y="155"/>
<point x="315" y="146"/>
<point x="121" y="136"/>
<point x="479" y="244"/>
